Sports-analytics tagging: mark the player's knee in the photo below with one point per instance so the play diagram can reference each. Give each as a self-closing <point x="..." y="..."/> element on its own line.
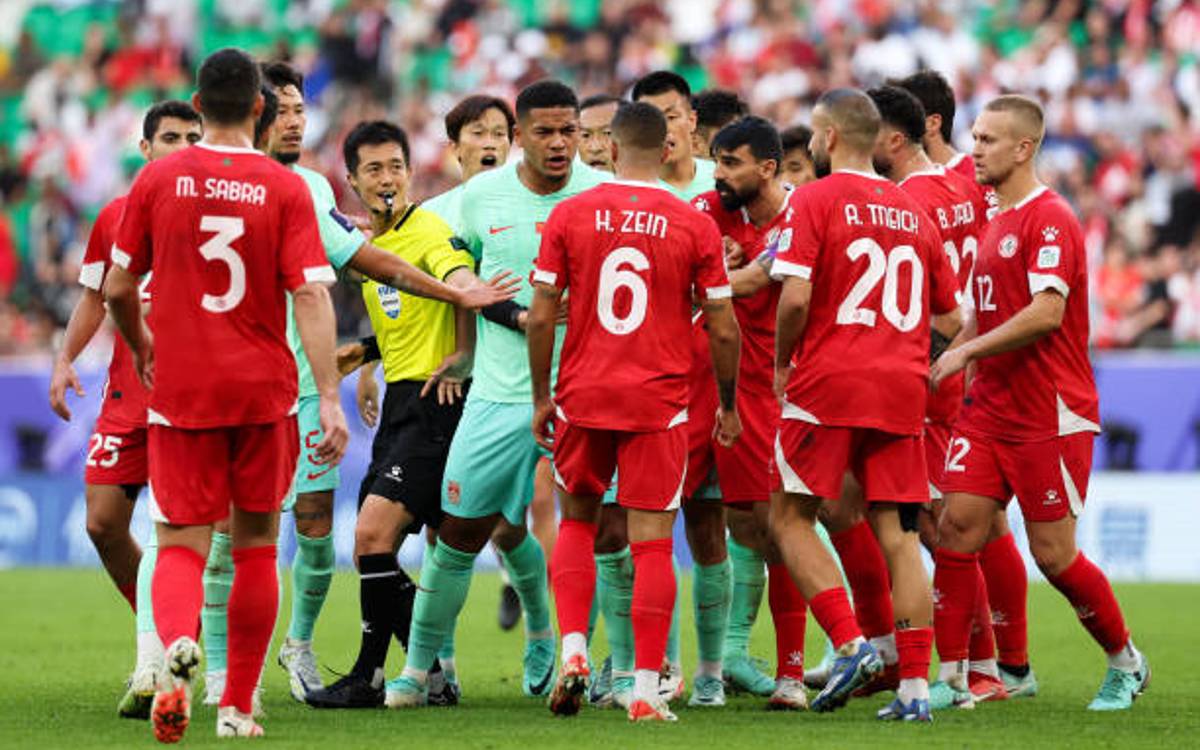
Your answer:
<point x="1051" y="555"/>
<point x="957" y="533"/>
<point x="507" y="536"/>
<point x="371" y="538"/>
<point x="102" y="530"/>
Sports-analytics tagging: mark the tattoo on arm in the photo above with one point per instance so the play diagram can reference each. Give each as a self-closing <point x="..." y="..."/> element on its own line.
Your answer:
<point x="727" y="390"/>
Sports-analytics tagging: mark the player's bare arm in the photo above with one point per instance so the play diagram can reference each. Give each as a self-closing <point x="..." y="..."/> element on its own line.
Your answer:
<point x="314" y="320"/>
<point x="85" y="321"/>
<point x="1043" y="315"/>
<point x="539" y="334"/>
<point x="790" y="319"/>
<point x="724" y="343"/>
<point x="389" y="268"/>
<point x="751" y="278"/>
<point x="124" y="303"/>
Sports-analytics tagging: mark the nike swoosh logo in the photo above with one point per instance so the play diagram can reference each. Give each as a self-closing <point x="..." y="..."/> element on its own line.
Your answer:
<point x="319" y="474"/>
<point x="498" y="230"/>
<point x="540" y="688"/>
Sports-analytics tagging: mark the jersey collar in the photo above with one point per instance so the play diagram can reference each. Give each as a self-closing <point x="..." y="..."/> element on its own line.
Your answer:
<point x="868" y="175"/>
<point x="937" y="171"/>
<point x="226" y="149"/>
<point x="1029" y="198"/>
<point x="639" y="184"/>
<point x="787" y="195"/>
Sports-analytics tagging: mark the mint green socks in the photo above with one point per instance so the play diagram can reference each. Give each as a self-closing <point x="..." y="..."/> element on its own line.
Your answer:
<point x="445" y="581"/>
<point x="711" y="594"/>
<point x="614" y="592"/>
<point x="312" y="571"/>
<point x="218" y="580"/>
<point x="526" y="566"/>
<point x="749" y="582"/>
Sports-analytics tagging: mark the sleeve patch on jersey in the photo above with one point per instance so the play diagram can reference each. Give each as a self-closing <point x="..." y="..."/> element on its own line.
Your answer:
<point x="120" y="257"/>
<point x="91" y="274"/>
<point x="1048" y="256"/>
<point x="342" y="221"/>
<point x="319" y="274"/>
<point x="458" y="244"/>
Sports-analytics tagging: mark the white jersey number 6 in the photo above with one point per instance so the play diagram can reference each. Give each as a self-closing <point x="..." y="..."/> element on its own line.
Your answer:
<point x="614" y="276"/>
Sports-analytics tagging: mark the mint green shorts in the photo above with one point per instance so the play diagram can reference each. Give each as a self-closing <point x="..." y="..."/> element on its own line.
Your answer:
<point x="309" y="476"/>
<point x="492" y="462"/>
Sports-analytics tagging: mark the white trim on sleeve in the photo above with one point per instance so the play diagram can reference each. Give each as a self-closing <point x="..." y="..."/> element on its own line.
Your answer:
<point x="91" y="275"/>
<point x="545" y="277"/>
<point x="719" y="292"/>
<point x="319" y="275"/>
<point x="1040" y="282"/>
<point x="781" y="268"/>
<point x="120" y="257"/>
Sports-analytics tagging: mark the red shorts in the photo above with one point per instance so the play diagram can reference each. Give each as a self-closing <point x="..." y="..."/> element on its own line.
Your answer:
<point x="651" y="465"/>
<point x="195" y="475"/>
<point x="812" y="459"/>
<point x="742" y="470"/>
<point x="116" y="456"/>
<point x="937" y="442"/>
<point x="1049" y="477"/>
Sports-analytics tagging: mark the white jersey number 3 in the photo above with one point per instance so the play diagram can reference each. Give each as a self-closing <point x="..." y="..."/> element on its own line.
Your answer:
<point x="228" y="229"/>
<point x="619" y="271"/>
<point x="885" y="266"/>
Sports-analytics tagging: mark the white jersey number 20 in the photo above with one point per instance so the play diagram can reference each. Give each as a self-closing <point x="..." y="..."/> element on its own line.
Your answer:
<point x="885" y="267"/>
<point x="618" y="271"/>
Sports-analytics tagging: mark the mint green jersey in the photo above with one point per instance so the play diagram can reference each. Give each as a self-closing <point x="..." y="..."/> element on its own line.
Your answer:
<point x="501" y="223"/>
<point x="341" y="240"/>
<point x="701" y="183"/>
<point x="448" y="206"/>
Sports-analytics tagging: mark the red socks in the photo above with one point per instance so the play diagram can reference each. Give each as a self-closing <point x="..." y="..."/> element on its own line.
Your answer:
<point x="955" y="583"/>
<point x="177" y="591"/>
<point x="867" y="573"/>
<point x="788" y="612"/>
<point x="1089" y="592"/>
<point x="915" y="646"/>
<point x="983" y="642"/>
<point x="831" y="607"/>
<point x="253" y="605"/>
<point x="1007" y="589"/>
<point x="573" y="564"/>
<point x="129" y="591"/>
<point x="653" y="600"/>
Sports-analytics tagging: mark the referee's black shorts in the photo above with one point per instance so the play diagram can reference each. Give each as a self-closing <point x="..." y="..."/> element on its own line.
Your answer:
<point x="408" y="456"/>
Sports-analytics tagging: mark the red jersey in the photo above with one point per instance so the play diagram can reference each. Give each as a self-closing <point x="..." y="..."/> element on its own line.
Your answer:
<point x="756" y="313"/>
<point x="1043" y="389"/>
<point x="958" y="210"/>
<point x="877" y="268"/>
<point x="963" y="164"/>
<point x="226" y="231"/>
<point x="124" y="395"/>
<point x="631" y="255"/>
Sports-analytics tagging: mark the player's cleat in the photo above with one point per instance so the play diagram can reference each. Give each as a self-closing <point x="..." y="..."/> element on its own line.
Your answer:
<point x="139" y="694"/>
<point x="916" y="710"/>
<point x="942" y="696"/>
<point x="985" y="688"/>
<point x="622" y="691"/>
<point x="789" y="695"/>
<point x="707" y="691"/>
<point x="568" y="692"/>
<point x="443" y="689"/>
<point x="816" y="677"/>
<point x="406" y="692"/>
<point x="600" y="691"/>
<point x="351" y="691"/>
<point x="539" y="667"/>
<point x="641" y="710"/>
<point x="510" y="608"/>
<point x="233" y="723"/>
<point x="671" y="685"/>
<point x="300" y="663"/>
<point x="172" y="707"/>
<point x="1120" y="688"/>
<point x="742" y="675"/>
<point x="849" y="672"/>
<point x="887" y="680"/>
<point x="1019" y="686"/>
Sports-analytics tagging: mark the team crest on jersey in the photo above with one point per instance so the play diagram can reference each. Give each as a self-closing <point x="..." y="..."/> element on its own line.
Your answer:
<point x="1050" y="234"/>
<point x="701" y="204"/>
<point x="389" y="300"/>
<point x="1008" y="246"/>
<point x="453" y="492"/>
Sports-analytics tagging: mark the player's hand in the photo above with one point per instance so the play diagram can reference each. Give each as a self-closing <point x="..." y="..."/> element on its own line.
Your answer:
<point x="735" y="256"/>
<point x="61" y="379"/>
<point x="143" y="359"/>
<point x="782" y="376"/>
<point x="503" y="286"/>
<point x="449" y="377"/>
<point x="350" y="357"/>
<point x="333" y="424"/>
<point x="367" y="397"/>
<point x="728" y="428"/>
<point x="543" y="423"/>
<point x="951" y="362"/>
<point x="564" y="307"/>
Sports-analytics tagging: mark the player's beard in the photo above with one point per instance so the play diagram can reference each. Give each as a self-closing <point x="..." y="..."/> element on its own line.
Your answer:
<point x="882" y="166"/>
<point x="731" y="198"/>
<point x="286" y="158"/>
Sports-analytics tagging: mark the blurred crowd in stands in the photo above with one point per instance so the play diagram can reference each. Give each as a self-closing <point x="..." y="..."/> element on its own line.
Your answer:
<point x="1119" y="79"/>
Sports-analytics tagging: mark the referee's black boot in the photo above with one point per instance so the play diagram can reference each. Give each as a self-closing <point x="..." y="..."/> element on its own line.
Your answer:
<point x="351" y="691"/>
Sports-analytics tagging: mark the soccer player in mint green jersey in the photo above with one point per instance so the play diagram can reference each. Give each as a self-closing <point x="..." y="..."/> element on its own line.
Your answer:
<point x="480" y="130"/>
<point x="683" y="172"/>
<point x="490" y="470"/>
<point x="312" y="498"/>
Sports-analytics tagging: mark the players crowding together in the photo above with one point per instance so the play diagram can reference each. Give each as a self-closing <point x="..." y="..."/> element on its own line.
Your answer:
<point x="826" y="347"/>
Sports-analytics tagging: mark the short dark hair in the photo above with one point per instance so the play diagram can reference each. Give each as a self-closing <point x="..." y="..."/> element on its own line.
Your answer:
<point x="279" y="74"/>
<point x="901" y="110"/>
<point x="660" y="82"/>
<point x="854" y="115"/>
<point x="473" y="108"/>
<point x="639" y="126"/>
<point x="545" y="94"/>
<point x="372" y="133"/>
<point x="269" y="113"/>
<point x="934" y="92"/>
<point x="180" y="110"/>
<point x="797" y="136"/>
<point x="757" y="133"/>
<point x="599" y="100"/>
<point x="716" y="108"/>
<point x="228" y="84"/>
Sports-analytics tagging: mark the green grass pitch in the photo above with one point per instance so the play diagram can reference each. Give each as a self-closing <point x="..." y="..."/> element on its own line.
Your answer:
<point x="66" y="645"/>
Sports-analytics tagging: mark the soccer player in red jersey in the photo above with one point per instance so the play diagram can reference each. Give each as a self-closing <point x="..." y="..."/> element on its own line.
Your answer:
<point x="212" y="224"/>
<point x="1003" y="567"/>
<point x="958" y="209"/>
<point x="862" y="267"/>
<point x="632" y="255"/>
<point x="1032" y="410"/>
<point x="750" y="206"/>
<point x="116" y="463"/>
